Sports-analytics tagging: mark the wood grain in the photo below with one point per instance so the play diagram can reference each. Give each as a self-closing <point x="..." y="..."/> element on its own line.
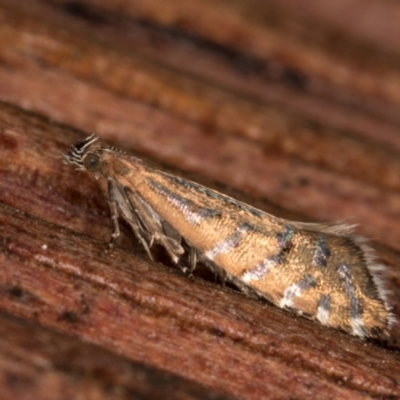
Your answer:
<point x="296" y="117"/>
<point x="198" y="330"/>
<point x="39" y="363"/>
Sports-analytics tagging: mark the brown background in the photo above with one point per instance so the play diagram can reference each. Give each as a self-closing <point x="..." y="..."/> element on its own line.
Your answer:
<point x="293" y="109"/>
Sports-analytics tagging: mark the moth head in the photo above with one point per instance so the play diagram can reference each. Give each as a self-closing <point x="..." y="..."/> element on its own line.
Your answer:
<point x="86" y="154"/>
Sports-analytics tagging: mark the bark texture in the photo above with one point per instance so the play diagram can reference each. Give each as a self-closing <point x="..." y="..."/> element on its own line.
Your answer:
<point x="295" y="107"/>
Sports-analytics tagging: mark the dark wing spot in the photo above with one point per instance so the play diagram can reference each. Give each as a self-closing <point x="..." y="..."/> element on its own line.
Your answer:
<point x="307" y="282"/>
<point x="356" y="309"/>
<point x="321" y="253"/>
<point x="325" y="302"/>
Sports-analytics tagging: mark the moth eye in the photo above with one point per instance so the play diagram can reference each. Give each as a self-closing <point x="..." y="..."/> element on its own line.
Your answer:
<point x="92" y="162"/>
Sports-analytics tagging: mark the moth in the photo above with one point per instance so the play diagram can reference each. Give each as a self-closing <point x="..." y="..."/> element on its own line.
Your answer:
<point x="321" y="271"/>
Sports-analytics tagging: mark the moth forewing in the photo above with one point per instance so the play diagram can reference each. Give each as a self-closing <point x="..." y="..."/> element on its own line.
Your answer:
<point x="321" y="271"/>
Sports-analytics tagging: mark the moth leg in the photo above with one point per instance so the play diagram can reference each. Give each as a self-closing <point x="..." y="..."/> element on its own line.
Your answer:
<point x="222" y="275"/>
<point x="151" y="241"/>
<point x="188" y="270"/>
<point x="192" y="260"/>
<point x="112" y="202"/>
<point x="150" y="221"/>
<point x="135" y="229"/>
<point x="118" y="202"/>
<point x="192" y="263"/>
<point x="219" y="273"/>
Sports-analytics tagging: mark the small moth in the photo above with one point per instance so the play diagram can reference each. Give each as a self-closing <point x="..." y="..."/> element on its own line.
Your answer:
<point x="321" y="271"/>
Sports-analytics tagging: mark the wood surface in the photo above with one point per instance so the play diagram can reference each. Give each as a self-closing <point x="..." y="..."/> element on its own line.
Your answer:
<point x="292" y="109"/>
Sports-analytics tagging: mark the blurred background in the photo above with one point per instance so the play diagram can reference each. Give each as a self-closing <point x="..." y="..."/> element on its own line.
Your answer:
<point x="292" y="106"/>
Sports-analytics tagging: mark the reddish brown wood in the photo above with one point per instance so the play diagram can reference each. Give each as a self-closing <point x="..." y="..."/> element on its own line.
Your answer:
<point x="372" y="21"/>
<point x="36" y="362"/>
<point x="307" y="167"/>
<point x="190" y="84"/>
<point x="145" y="311"/>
